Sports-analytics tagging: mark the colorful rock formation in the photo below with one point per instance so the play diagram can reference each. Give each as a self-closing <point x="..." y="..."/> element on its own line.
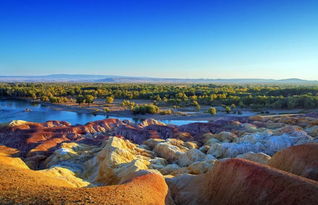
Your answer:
<point x="226" y="161"/>
<point x="238" y="181"/>
<point x="23" y="186"/>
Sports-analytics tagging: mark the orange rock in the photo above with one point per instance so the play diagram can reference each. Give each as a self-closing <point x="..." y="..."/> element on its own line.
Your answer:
<point x="7" y="160"/>
<point x="24" y="186"/>
<point x="7" y="151"/>
<point x="301" y="160"/>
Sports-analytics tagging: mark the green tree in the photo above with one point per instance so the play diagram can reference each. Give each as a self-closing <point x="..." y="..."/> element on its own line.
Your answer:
<point x="129" y="104"/>
<point x="197" y="107"/>
<point x="212" y="110"/>
<point x="109" y="99"/>
<point x="146" y="109"/>
<point x="54" y="100"/>
<point x="157" y="98"/>
<point x="89" y="99"/>
<point x="45" y="98"/>
<point x="80" y="99"/>
<point x="34" y="97"/>
<point x="227" y="109"/>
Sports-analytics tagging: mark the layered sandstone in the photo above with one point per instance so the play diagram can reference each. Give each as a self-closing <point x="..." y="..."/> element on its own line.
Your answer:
<point x="238" y="181"/>
<point x="301" y="160"/>
<point x="193" y="158"/>
<point x="23" y="186"/>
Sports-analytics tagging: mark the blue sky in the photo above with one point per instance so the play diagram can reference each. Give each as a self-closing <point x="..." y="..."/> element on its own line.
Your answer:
<point x="167" y="38"/>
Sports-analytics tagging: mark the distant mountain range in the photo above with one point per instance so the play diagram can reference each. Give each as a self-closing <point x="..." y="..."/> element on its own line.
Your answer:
<point x="127" y="79"/>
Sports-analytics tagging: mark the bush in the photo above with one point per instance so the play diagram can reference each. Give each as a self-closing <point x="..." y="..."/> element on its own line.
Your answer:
<point x="54" y="100"/>
<point x="227" y="109"/>
<point x="109" y="99"/>
<point x="80" y="99"/>
<point x="45" y="99"/>
<point x="89" y="99"/>
<point x="212" y="110"/>
<point x="145" y="109"/>
<point x="165" y="112"/>
<point x="127" y="103"/>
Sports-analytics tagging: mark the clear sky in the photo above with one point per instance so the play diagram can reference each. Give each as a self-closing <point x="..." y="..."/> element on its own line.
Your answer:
<point x="164" y="38"/>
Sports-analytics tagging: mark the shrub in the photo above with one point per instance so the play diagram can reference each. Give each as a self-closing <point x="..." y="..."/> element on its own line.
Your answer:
<point x="128" y="103"/>
<point x="34" y="97"/>
<point x="165" y="112"/>
<point x="109" y="99"/>
<point x="212" y="110"/>
<point x="45" y="99"/>
<point x="80" y="99"/>
<point x="89" y="99"/>
<point x="54" y="100"/>
<point x="227" y="109"/>
<point x="145" y="109"/>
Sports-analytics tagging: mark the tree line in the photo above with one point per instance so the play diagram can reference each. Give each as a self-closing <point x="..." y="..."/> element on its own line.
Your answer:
<point x="247" y="96"/>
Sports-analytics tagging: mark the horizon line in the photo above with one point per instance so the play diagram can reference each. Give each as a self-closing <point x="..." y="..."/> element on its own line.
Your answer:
<point x="181" y="78"/>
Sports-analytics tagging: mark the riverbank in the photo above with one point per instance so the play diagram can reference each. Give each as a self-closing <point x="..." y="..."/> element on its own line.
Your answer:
<point x="97" y="109"/>
<point x="116" y="110"/>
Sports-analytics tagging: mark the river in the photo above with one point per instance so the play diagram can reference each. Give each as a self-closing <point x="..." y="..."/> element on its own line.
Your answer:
<point x="12" y="109"/>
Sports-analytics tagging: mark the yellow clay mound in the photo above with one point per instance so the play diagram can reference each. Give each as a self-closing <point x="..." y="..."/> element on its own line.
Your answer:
<point x="19" y="185"/>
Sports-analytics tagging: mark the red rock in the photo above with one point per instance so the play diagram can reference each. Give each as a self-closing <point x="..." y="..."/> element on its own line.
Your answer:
<point x="238" y="181"/>
<point x="33" y="139"/>
<point x="301" y="160"/>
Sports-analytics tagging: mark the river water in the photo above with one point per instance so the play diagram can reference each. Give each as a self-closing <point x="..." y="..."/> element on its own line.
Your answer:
<point x="11" y="109"/>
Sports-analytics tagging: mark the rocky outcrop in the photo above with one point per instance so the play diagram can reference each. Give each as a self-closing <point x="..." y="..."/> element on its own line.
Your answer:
<point x="201" y="167"/>
<point x="265" y="142"/>
<point x="71" y="153"/>
<point x="168" y="151"/>
<point x="255" y="157"/>
<point x="65" y="174"/>
<point x="131" y="157"/>
<point x="190" y="156"/>
<point x="238" y="181"/>
<point x="312" y="131"/>
<point x="117" y="161"/>
<point x="148" y="122"/>
<point x="7" y="158"/>
<point x="301" y="160"/>
<point x="24" y="186"/>
<point x="36" y="141"/>
<point x="151" y="143"/>
<point x="196" y="130"/>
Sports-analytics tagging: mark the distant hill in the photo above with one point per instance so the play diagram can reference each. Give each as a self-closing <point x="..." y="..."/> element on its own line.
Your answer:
<point x="56" y="78"/>
<point x="128" y="79"/>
